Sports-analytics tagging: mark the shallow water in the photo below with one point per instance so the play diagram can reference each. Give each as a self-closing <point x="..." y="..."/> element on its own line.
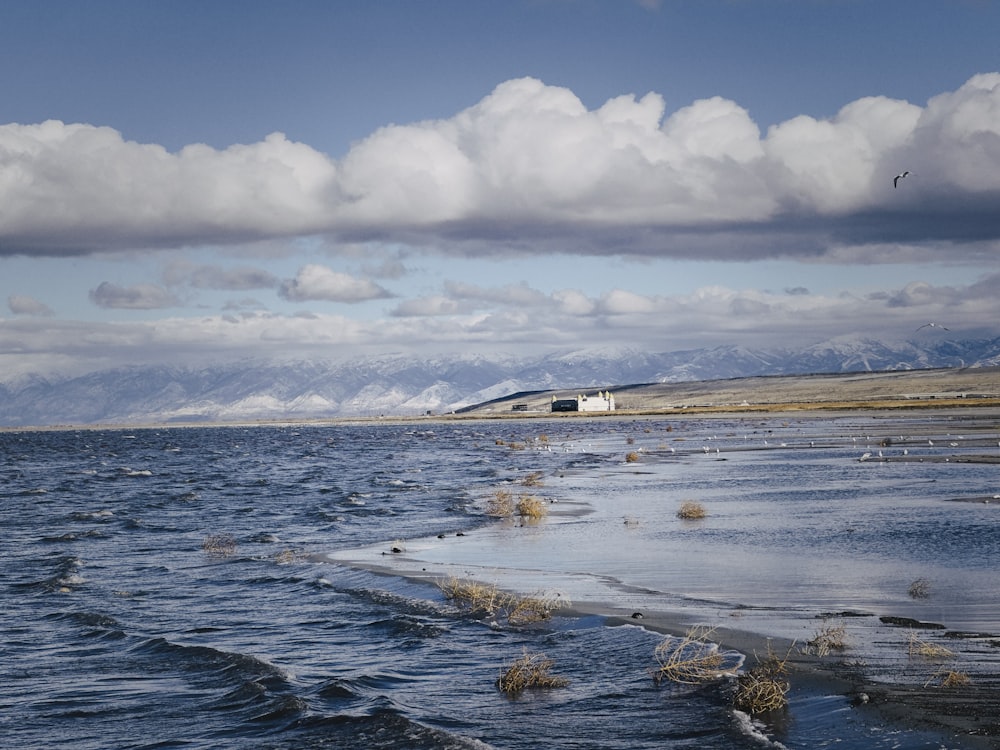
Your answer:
<point x="122" y="630"/>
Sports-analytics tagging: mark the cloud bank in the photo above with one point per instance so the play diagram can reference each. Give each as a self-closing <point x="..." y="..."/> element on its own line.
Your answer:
<point x="513" y="318"/>
<point x="528" y="165"/>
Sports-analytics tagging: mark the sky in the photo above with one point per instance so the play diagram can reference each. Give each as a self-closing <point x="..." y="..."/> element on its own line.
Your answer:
<point x="192" y="182"/>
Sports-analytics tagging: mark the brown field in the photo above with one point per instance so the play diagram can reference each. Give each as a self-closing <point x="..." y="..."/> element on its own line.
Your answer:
<point x="908" y="389"/>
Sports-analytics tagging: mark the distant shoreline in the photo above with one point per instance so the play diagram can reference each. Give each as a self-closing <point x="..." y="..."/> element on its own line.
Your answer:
<point x="938" y="390"/>
<point x="804" y="409"/>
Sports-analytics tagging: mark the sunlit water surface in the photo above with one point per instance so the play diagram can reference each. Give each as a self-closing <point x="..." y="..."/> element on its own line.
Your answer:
<point x="124" y="629"/>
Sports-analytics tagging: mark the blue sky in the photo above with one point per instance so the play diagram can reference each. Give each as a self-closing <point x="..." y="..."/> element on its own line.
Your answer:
<point x="190" y="182"/>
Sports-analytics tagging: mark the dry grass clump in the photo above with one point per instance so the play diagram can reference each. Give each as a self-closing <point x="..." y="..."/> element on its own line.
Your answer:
<point x="531" y="507"/>
<point x="631" y="457"/>
<point x="828" y="638"/>
<point x="474" y="596"/>
<point x="514" y="446"/>
<point x="288" y="556"/>
<point x="219" y="545"/>
<point x="529" y="671"/>
<point x="689" y="660"/>
<point x="926" y="649"/>
<point x="500" y="504"/>
<point x="527" y="610"/>
<point x="691" y="511"/>
<point x="758" y="693"/>
<point x="920" y="589"/>
<point x="534" y="479"/>
<point x="478" y="598"/>
<point x="949" y="678"/>
<point x="765" y="687"/>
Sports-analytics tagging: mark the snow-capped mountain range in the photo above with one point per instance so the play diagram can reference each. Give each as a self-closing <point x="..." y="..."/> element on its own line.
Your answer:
<point x="402" y="386"/>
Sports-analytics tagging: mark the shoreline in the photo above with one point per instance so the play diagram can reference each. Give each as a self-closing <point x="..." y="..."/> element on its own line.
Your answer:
<point x="967" y="714"/>
<point x="983" y="408"/>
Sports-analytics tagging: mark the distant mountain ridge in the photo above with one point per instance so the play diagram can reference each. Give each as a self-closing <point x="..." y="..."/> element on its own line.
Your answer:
<point x="400" y="385"/>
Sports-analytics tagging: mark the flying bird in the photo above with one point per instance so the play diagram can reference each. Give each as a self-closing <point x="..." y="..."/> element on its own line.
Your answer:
<point x="897" y="178"/>
<point x="934" y="325"/>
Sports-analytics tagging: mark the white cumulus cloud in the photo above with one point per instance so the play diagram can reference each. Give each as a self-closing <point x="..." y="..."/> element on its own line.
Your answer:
<point x="22" y="304"/>
<point x="530" y="163"/>
<point x="315" y="282"/>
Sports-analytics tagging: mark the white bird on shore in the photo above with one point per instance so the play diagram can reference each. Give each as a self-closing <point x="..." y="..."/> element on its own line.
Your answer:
<point x="897" y="178"/>
<point x="865" y="456"/>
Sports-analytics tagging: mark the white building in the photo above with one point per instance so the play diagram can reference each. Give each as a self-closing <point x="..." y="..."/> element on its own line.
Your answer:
<point x="601" y="401"/>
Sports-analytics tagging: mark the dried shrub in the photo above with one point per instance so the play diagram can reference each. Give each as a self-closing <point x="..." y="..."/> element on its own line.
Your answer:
<point x="534" y="479"/>
<point x="828" y="638"/>
<point x="926" y="649"/>
<point x="765" y="687"/>
<point x="529" y="671"/>
<point x="478" y="598"/>
<point x="691" y="659"/>
<point x="527" y="610"/>
<point x="955" y="679"/>
<point x="473" y="596"/>
<point x="500" y="504"/>
<point x="219" y="545"/>
<point x="631" y="457"/>
<point x="691" y="511"/>
<point x="288" y="556"/>
<point x="531" y="507"/>
<point x="949" y="678"/>
<point x="920" y="589"/>
<point x="758" y="693"/>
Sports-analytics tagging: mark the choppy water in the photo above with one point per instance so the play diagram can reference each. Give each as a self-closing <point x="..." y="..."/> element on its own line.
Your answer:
<point x="121" y="630"/>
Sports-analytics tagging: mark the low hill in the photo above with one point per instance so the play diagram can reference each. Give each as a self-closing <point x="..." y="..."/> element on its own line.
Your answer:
<point x="899" y="389"/>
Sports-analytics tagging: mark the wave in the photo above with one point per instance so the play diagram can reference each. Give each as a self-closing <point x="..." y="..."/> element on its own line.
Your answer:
<point x="92" y="515"/>
<point x="245" y="667"/>
<point x="72" y="536"/>
<point x="384" y="729"/>
<point x="89" y="619"/>
<point x="65" y="574"/>
<point x="407" y="627"/>
<point x="755" y="730"/>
